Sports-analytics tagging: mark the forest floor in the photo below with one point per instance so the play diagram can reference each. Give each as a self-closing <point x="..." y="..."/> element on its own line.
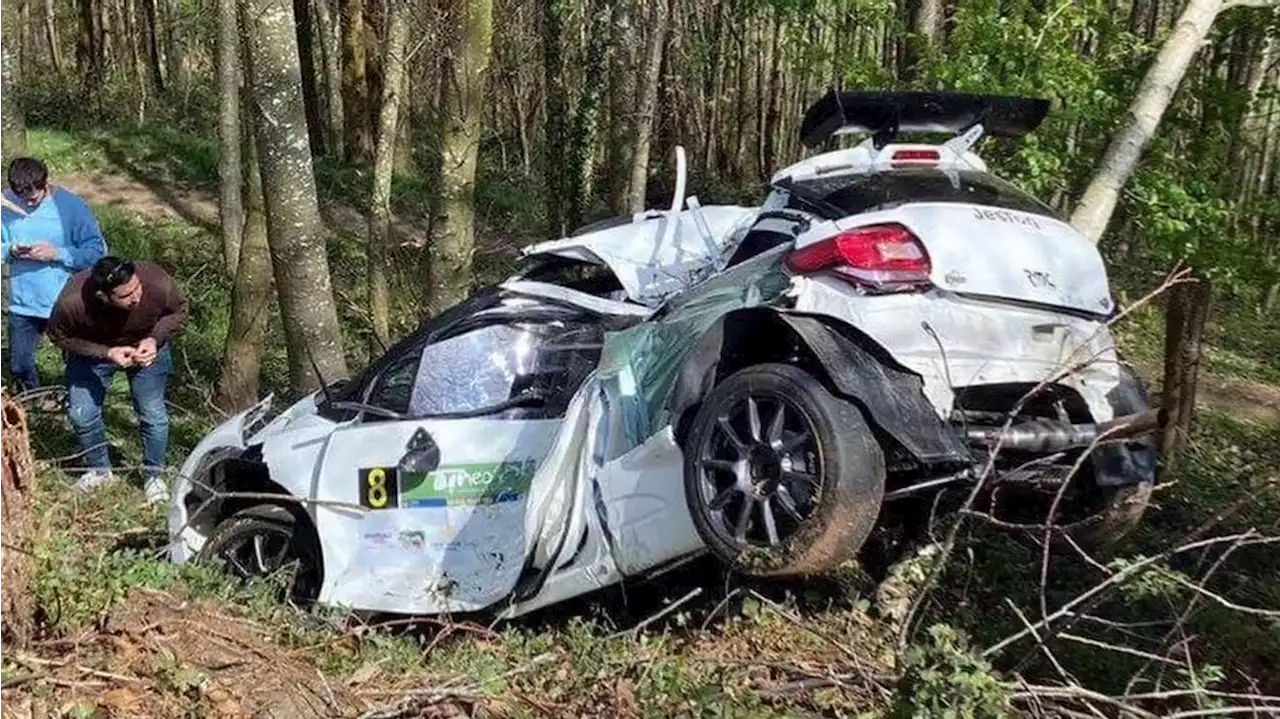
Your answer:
<point x="120" y="632"/>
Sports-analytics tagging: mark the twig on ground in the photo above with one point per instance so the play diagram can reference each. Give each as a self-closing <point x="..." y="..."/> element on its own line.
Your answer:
<point x="37" y="661"/>
<point x="720" y="606"/>
<point x="1224" y="601"/>
<point x="1115" y="648"/>
<point x="417" y="700"/>
<point x="21" y="679"/>
<point x="660" y="614"/>
<point x="1078" y="692"/>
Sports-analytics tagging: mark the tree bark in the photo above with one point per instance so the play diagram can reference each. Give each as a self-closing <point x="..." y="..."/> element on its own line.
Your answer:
<point x="295" y="233"/>
<point x="622" y="83"/>
<point x="557" y="112"/>
<point x="1121" y="157"/>
<point x="1185" y="318"/>
<point x="648" y="89"/>
<point x="331" y="56"/>
<point x="251" y="295"/>
<point x="582" y="137"/>
<point x="926" y="24"/>
<point x="462" y="98"/>
<point x="1249" y="144"/>
<point x="51" y="36"/>
<point x="17" y="481"/>
<point x="153" y="44"/>
<point x="355" y="86"/>
<point x="230" y="205"/>
<point x="383" y="165"/>
<point x="307" y="62"/>
<point x="173" y="48"/>
<point x="13" y="123"/>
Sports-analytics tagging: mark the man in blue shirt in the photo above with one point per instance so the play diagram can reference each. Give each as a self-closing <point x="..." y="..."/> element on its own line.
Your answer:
<point x="47" y="233"/>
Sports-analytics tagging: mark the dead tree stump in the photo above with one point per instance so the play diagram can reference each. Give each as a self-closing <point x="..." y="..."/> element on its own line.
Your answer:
<point x="17" y="475"/>
<point x="1185" y="317"/>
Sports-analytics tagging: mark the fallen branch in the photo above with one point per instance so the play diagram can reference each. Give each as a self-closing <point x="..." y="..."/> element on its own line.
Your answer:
<point x="1112" y="581"/>
<point x="660" y="614"/>
<point x="18" y="681"/>
<point x="1224" y="601"/>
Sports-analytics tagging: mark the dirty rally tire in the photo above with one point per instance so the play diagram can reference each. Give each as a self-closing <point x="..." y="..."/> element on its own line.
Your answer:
<point x="812" y="478"/>
<point x="259" y="541"/>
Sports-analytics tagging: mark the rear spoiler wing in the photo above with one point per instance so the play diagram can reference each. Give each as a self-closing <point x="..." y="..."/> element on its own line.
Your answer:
<point x="885" y="114"/>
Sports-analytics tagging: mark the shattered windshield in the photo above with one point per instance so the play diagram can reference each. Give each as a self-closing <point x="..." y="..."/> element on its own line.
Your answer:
<point x="484" y="357"/>
<point x="497" y="363"/>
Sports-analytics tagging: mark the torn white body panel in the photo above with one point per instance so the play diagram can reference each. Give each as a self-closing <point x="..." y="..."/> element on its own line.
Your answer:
<point x="953" y="342"/>
<point x="658" y="256"/>
<point x="452" y="540"/>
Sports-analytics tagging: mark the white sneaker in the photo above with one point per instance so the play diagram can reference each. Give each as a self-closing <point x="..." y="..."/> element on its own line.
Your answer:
<point x="157" y="490"/>
<point x="93" y="479"/>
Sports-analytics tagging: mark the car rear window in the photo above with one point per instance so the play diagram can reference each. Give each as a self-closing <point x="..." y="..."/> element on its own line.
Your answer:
<point x="858" y="193"/>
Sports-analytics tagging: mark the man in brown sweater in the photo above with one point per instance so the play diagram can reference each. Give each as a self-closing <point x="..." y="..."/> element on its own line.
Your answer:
<point x="119" y="315"/>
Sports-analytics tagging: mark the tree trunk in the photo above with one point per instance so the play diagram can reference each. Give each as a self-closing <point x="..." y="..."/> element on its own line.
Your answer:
<point x="51" y="36"/>
<point x="383" y="164"/>
<point x="582" y="137"/>
<point x="648" y="90"/>
<point x="622" y="83"/>
<point x="17" y="480"/>
<point x="1158" y="86"/>
<point x="768" y="148"/>
<point x="13" y="123"/>
<point x="405" y="163"/>
<point x="251" y="295"/>
<point x="462" y="100"/>
<point x="355" y="86"/>
<point x="230" y="205"/>
<point x="153" y="44"/>
<point x="173" y="48"/>
<point x="88" y="48"/>
<point x="307" y="61"/>
<point x="557" y="111"/>
<point x="331" y="56"/>
<point x="1249" y="144"/>
<point x="925" y="17"/>
<point x="1188" y="309"/>
<point x="375" y="31"/>
<point x="295" y="232"/>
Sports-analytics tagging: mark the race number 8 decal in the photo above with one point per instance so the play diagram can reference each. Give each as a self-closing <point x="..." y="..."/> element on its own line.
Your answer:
<point x="379" y="487"/>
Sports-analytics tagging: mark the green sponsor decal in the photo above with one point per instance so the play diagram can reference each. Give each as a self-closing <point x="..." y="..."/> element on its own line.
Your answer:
<point x="468" y="484"/>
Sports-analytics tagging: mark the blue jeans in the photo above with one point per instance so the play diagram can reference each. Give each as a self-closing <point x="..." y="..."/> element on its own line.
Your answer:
<point x="24" y="337"/>
<point x="87" y="381"/>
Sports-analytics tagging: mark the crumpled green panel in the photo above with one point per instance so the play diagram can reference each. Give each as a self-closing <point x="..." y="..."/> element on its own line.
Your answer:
<point x="638" y="366"/>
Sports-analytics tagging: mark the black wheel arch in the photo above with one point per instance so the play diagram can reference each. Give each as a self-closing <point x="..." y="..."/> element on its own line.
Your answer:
<point x="849" y="362"/>
<point x="239" y="481"/>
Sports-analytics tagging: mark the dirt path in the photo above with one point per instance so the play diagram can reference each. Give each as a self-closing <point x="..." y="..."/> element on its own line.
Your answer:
<point x="155" y="202"/>
<point x="199" y="206"/>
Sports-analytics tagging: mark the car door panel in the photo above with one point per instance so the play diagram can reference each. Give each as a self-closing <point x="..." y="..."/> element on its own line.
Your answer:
<point x="452" y="539"/>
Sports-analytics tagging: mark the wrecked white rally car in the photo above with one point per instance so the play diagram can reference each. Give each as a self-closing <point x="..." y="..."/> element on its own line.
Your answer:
<point x="756" y="383"/>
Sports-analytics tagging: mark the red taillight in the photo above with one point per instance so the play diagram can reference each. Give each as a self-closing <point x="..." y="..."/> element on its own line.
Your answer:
<point x="884" y="257"/>
<point x="915" y="157"/>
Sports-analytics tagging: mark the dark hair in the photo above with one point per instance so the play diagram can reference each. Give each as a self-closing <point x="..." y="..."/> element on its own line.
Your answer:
<point x="27" y="174"/>
<point x="109" y="273"/>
